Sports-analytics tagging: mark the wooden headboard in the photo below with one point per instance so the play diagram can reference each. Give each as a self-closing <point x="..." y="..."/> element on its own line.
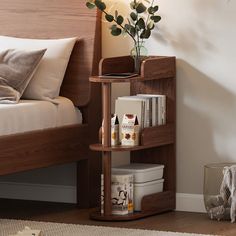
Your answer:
<point x="59" y="19"/>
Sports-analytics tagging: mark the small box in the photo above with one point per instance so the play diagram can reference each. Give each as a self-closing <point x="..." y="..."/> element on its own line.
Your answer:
<point x="114" y="130"/>
<point x="130" y="130"/>
<point x="142" y="172"/>
<point x="142" y="189"/>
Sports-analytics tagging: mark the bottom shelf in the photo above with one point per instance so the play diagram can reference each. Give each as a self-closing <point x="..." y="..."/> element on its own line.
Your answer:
<point x="151" y="205"/>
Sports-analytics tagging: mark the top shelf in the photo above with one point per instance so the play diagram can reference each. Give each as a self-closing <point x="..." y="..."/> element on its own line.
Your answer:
<point x="100" y="79"/>
<point x="152" y="68"/>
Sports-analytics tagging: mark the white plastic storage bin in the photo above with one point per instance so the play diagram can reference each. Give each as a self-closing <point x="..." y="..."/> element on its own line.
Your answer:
<point x="142" y="189"/>
<point x="142" y="172"/>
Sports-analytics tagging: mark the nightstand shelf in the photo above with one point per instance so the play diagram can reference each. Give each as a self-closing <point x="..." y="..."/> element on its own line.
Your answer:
<point x="157" y="144"/>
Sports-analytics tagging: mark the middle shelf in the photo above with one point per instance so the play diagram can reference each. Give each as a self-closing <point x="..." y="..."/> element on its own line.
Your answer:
<point x="149" y="137"/>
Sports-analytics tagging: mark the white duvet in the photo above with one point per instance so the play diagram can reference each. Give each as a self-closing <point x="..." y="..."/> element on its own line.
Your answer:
<point x="29" y="115"/>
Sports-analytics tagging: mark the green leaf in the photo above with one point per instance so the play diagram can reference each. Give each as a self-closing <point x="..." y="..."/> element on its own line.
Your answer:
<point x="150" y="10"/>
<point x="116" y="32"/>
<point x="132" y="31"/>
<point x="133" y="16"/>
<point x="156" y="18"/>
<point x="90" y="5"/>
<point x="151" y="25"/>
<point x="113" y="27"/>
<point x="100" y="5"/>
<point x="145" y="34"/>
<point x="156" y="8"/>
<point x="141" y="23"/>
<point x="120" y="20"/>
<point x="109" y="17"/>
<point x="140" y="8"/>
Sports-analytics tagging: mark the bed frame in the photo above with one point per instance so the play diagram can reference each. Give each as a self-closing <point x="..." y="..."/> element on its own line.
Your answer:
<point x="38" y="149"/>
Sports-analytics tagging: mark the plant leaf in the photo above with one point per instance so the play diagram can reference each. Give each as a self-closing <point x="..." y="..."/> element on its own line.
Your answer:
<point x="133" y="16"/>
<point x="100" y="5"/>
<point x="132" y="31"/>
<point x="156" y="8"/>
<point x="145" y="34"/>
<point x="116" y="32"/>
<point x="140" y="8"/>
<point x="150" y="10"/>
<point x="90" y="5"/>
<point x="156" y="18"/>
<point x="120" y="20"/>
<point x="109" y="17"/>
<point x="141" y="23"/>
<point x="151" y="25"/>
<point x="113" y="27"/>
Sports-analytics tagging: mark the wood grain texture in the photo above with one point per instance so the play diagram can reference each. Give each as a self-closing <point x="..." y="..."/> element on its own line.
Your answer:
<point x="58" y="146"/>
<point x="158" y="202"/>
<point x="157" y="143"/>
<point x="59" y="19"/>
<point x="116" y="65"/>
<point x="45" y="19"/>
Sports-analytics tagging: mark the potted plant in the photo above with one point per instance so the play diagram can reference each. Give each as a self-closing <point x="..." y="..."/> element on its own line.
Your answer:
<point x="138" y="25"/>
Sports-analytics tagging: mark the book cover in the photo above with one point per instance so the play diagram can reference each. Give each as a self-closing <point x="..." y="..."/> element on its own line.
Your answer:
<point x="158" y="108"/>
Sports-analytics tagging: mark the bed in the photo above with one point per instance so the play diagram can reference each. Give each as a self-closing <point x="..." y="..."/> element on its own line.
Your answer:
<point x="54" y="145"/>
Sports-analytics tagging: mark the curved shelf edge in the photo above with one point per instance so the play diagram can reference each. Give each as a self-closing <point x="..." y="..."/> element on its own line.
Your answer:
<point x="96" y="215"/>
<point x="100" y="148"/>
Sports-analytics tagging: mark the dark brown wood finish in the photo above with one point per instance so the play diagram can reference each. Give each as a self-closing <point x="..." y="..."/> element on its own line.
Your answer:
<point x="157" y="143"/>
<point x="60" y="19"/>
<point x="47" y="147"/>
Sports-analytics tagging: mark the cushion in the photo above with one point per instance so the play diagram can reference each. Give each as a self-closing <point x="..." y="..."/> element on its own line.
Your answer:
<point x="47" y="80"/>
<point x="16" y="69"/>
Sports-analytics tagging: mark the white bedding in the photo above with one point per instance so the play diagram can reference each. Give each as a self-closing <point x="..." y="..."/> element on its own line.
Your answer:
<point x="29" y="115"/>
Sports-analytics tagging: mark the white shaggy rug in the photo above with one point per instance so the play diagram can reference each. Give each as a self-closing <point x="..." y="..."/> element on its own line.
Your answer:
<point x="8" y="227"/>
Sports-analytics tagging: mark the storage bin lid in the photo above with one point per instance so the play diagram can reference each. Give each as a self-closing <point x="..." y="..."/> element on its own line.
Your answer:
<point x="158" y="181"/>
<point x="139" y="167"/>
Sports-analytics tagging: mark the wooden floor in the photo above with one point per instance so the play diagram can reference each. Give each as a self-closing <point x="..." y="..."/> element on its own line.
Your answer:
<point x="69" y="213"/>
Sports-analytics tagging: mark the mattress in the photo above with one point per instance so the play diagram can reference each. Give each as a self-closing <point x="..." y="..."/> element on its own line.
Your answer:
<point x="30" y="115"/>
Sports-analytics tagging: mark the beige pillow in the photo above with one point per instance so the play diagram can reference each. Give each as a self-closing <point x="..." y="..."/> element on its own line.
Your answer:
<point x="47" y="80"/>
<point x="16" y="69"/>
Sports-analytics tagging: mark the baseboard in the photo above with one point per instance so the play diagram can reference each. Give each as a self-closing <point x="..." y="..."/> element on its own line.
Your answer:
<point x="67" y="194"/>
<point x="38" y="192"/>
<point x="190" y="202"/>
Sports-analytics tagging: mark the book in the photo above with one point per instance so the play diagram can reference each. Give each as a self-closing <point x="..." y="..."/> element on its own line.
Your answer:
<point x="158" y="108"/>
<point x="145" y="120"/>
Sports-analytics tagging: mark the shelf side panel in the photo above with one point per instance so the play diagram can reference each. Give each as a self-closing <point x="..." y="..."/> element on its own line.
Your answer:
<point x="164" y="155"/>
<point x="162" y="86"/>
<point x="158" y="202"/>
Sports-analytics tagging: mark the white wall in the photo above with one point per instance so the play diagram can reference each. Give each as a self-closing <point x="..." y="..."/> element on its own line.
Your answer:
<point x="202" y="35"/>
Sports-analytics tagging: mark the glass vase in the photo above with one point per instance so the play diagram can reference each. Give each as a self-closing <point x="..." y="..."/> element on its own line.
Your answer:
<point x="139" y="52"/>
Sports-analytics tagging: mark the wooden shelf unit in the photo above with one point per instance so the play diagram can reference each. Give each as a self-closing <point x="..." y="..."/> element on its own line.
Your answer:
<point x="157" y="145"/>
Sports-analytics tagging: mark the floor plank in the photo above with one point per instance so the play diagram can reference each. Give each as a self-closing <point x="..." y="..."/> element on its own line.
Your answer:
<point x="69" y="213"/>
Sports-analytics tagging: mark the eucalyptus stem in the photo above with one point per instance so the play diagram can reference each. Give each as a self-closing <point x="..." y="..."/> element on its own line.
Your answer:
<point x="149" y="13"/>
<point x="121" y="27"/>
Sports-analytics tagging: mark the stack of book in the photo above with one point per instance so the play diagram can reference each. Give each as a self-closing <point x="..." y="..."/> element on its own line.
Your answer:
<point x="149" y="108"/>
